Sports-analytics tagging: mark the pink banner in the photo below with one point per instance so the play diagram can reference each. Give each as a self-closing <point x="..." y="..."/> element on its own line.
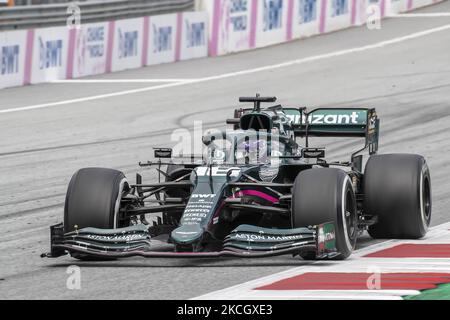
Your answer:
<point x="71" y="53"/>
<point x="110" y="46"/>
<point x="253" y="22"/>
<point x="145" y="41"/>
<point x="28" y="57"/>
<point x="214" y="42"/>
<point x="290" y="20"/>
<point x="323" y="16"/>
<point x="178" y="36"/>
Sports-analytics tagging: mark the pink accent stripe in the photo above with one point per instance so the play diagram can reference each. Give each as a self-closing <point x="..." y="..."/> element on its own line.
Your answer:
<point x="28" y="57"/>
<point x="323" y="16"/>
<point x="290" y="20"/>
<point x="110" y="46"/>
<point x="258" y="194"/>
<point x="179" y="36"/>
<point x="354" y="11"/>
<point x="410" y="4"/>
<point x="253" y="23"/>
<point x="71" y="53"/>
<point x="383" y="8"/>
<point x="145" y="41"/>
<point x="214" y="41"/>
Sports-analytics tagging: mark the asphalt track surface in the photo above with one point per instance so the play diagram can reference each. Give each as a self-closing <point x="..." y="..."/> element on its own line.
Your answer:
<point x="408" y="81"/>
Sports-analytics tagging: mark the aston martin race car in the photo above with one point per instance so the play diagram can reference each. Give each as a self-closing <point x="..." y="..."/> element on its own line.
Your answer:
<point x="259" y="189"/>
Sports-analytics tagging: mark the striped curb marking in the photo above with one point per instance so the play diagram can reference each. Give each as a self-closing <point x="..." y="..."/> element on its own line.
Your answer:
<point x="403" y="267"/>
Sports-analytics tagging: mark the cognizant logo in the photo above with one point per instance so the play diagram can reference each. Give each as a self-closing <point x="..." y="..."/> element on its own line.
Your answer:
<point x="351" y="118"/>
<point x="333" y="118"/>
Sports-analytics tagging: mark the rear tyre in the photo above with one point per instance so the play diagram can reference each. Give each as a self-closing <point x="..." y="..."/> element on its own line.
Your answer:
<point x="326" y="195"/>
<point x="397" y="189"/>
<point x="93" y="199"/>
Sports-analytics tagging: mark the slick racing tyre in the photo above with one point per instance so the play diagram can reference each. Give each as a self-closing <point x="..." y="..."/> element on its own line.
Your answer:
<point x="397" y="189"/>
<point x="326" y="195"/>
<point x="93" y="199"/>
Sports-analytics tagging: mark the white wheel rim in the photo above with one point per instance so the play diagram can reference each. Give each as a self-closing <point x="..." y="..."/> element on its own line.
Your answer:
<point x="117" y="204"/>
<point x="344" y="220"/>
<point x="422" y="209"/>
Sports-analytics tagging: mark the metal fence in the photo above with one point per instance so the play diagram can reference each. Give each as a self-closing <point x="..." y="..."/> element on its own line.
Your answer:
<point x="36" y="2"/>
<point x="31" y="16"/>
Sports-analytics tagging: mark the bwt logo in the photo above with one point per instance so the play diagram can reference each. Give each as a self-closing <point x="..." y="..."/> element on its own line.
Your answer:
<point x="307" y="11"/>
<point x="162" y="39"/>
<point x="238" y="6"/>
<point x="273" y="14"/>
<point x="50" y="53"/>
<point x="95" y="40"/>
<point x="9" y="59"/>
<point x="195" y="34"/>
<point x="339" y="7"/>
<point x="128" y="44"/>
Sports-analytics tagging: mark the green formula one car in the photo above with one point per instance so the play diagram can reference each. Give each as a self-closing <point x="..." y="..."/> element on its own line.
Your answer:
<point x="259" y="190"/>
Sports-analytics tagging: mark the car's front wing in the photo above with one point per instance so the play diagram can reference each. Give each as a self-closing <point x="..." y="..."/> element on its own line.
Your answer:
<point x="245" y="241"/>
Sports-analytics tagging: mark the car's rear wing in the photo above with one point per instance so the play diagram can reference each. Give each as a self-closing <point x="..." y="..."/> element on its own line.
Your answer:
<point x="336" y="122"/>
<point x="346" y="122"/>
<point x="330" y="122"/>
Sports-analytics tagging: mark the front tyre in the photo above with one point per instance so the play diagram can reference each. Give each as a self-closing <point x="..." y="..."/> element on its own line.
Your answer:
<point x="93" y="199"/>
<point x="326" y="195"/>
<point x="397" y="189"/>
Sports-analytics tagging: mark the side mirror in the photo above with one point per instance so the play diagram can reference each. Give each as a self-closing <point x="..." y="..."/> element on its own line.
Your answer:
<point x="163" y="153"/>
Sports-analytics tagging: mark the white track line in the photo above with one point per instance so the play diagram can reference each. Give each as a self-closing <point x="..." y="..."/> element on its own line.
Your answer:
<point x="76" y="81"/>
<point x="356" y="263"/>
<point x="239" y="73"/>
<point x="420" y="15"/>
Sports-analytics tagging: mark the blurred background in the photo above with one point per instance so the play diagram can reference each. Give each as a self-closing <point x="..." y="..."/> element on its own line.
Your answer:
<point x="20" y="14"/>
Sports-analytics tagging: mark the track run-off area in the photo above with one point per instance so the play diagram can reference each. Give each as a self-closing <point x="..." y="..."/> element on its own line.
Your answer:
<point x="49" y="131"/>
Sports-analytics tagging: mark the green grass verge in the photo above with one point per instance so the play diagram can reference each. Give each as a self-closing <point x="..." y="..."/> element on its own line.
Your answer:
<point x="442" y="292"/>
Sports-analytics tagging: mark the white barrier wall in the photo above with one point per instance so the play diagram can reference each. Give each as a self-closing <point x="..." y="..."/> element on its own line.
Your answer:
<point x="127" y="44"/>
<point x="366" y="9"/>
<point x="396" y="6"/>
<point x="336" y="14"/>
<point x="49" y="55"/>
<point x="161" y="39"/>
<point x="271" y="22"/>
<point x="306" y="18"/>
<point x="237" y="25"/>
<point x="90" y="50"/>
<point x="223" y="26"/>
<point x="194" y="35"/>
<point x="230" y="23"/>
<point x="12" y="58"/>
